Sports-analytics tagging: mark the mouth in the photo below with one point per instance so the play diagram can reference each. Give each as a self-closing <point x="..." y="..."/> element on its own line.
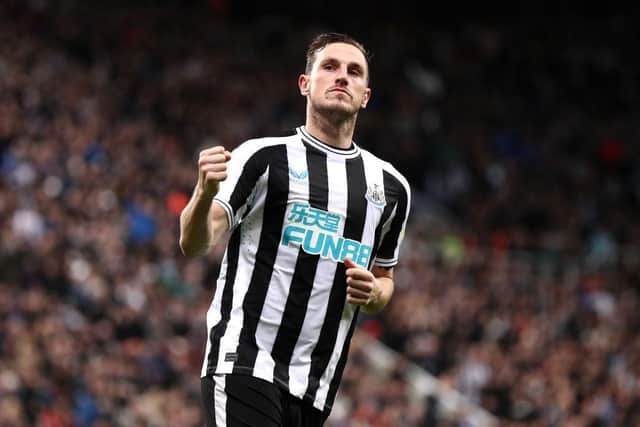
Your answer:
<point x="340" y="90"/>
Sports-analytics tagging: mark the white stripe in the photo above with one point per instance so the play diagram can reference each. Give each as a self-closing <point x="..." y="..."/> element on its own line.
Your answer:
<point x="249" y="240"/>
<point x="319" y="298"/>
<point x="220" y="400"/>
<point x="373" y="175"/>
<point x="327" y="376"/>
<point x="278" y="291"/>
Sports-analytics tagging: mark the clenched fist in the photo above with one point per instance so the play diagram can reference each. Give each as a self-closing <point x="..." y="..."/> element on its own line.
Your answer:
<point x="362" y="288"/>
<point x="212" y="167"/>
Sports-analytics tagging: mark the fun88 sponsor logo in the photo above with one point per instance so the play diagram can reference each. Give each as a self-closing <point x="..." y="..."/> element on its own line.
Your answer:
<point x="316" y="232"/>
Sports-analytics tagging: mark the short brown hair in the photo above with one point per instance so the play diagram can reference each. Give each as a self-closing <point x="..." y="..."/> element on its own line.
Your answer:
<point x="324" y="39"/>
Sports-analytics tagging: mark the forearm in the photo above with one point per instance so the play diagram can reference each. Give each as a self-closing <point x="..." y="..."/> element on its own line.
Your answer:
<point x="195" y="224"/>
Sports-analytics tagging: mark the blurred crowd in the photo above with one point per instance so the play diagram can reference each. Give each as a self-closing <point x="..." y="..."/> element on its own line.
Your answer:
<point x="519" y="277"/>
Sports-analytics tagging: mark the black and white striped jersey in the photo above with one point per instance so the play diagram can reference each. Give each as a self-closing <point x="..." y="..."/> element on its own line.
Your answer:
<point x="296" y="208"/>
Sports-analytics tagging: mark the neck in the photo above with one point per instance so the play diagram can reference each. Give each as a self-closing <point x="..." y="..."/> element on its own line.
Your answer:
<point x="334" y="131"/>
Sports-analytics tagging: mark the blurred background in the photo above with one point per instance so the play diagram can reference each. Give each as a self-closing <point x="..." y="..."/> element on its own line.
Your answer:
<point x="516" y="297"/>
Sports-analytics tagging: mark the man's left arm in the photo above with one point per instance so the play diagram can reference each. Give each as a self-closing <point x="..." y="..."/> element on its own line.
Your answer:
<point x="372" y="290"/>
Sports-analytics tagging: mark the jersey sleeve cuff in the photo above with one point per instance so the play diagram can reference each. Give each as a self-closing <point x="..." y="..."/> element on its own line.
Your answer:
<point x="381" y="262"/>
<point x="228" y="210"/>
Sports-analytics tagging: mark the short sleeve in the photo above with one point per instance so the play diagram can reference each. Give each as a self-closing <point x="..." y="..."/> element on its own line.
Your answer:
<point x="243" y="170"/>
<point x="397" y="189"/>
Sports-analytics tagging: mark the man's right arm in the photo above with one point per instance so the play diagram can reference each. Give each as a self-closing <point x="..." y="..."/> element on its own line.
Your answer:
<point x="201" y="221"/>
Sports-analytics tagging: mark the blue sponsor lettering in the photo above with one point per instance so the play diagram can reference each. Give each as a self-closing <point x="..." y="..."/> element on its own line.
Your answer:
<point x="288" y="235"/>
<point x="364" y="253"/>
<point x="309" y="247"/>
<point x="333" y="245"/>
<point x="302" y="213"/>
<point x="350" y="249"/>
<point x="298" y="212"/>
<point x="314" y="230"/>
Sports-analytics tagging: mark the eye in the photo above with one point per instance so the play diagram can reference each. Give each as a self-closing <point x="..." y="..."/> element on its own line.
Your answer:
<point x="329" y="66"/>
<point x="356" y="71"/>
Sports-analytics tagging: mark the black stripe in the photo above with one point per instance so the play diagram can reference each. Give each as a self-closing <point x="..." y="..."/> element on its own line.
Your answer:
<point x="208" y="393"/>
<point x="304" y="273"/>
<point x="253" y="168"/>
<point x="353" y="228"/>
<point x="233" y="251"/>
<point x="275" y="209"/>
<point x="337" y="376"/>
<point x="396" y="193"/>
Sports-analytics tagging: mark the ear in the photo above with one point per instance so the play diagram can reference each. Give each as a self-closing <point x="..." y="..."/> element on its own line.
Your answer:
<point x="366" y="98"/>
<point x="303" y="84"/>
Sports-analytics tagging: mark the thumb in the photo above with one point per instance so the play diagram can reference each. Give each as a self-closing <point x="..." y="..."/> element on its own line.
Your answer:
<point x="348" y="263"/>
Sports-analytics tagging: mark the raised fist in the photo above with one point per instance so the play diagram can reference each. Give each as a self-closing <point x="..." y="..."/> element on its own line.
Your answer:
<point x="212" y="168"/>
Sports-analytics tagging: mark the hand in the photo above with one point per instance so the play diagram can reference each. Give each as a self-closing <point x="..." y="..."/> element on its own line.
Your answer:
<point x="362" y="287"/>
<point x="212" y="168"/>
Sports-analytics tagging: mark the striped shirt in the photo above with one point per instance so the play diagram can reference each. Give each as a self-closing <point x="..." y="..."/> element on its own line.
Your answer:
<point x="296" y="208"/>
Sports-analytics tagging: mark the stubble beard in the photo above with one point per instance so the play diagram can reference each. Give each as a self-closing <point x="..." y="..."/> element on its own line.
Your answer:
<point x="336" y="114"/>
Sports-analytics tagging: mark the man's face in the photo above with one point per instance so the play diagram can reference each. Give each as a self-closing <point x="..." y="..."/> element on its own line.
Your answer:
<point x="337" y="83"/>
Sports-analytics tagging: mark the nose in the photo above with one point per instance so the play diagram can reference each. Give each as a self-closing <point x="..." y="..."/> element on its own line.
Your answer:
<point x="341" y="81"/>
<point x="341" y="77"/>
